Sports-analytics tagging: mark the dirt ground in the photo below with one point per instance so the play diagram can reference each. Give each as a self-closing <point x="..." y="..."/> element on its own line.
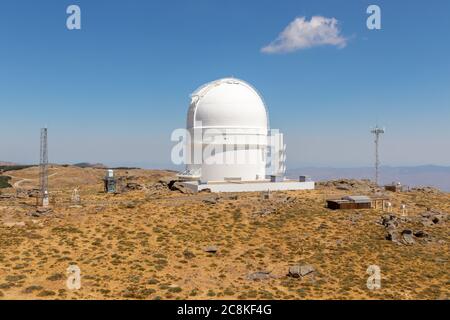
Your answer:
<point x="150" y="243"/>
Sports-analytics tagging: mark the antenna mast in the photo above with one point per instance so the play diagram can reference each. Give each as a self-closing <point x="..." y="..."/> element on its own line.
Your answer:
<point x="43" y="170"/>
<point x="377" y="131"/>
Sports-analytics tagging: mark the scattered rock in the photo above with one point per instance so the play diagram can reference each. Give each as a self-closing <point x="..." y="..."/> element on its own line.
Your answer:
<point x="129" y="204"/>
<point x="323" y="225"/>
<point x="211" y="249"/>
<point x="21" y="194"/>
<point x="211" y="201"/>
<point x="267" y="211"/>
<point x="300" y="270"/>
<point x="389" y="221"/>
<point x="31" y="289"/>
<point x="421" y="234"/>
<point x="33" y="193"/>
<point x="41" y="211"/>
<point x="392" y="235"/>
<point x="155" y="188"/>
<point x="131" y="186"/>
<point x="288" y="199"/>
<point x="427" y="190"/>
<point x="354" y="218"/>
<point x="343" y="187"/>
<point x="430" y="218"/>
<point x="350" y="185"/>
<point x="188" y="254"/>
<point x="266" y="195"/>
<point x="259" y="275"/>
<point x="165" y="181"/>
<point x="407" y="237"/>
<point x="152" y="281"/>
<point x="427" y="223"/>
<point x="37" y="222"/>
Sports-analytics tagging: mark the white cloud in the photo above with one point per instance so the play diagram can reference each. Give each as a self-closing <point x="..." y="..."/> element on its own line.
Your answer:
<point x="302" y="34"/>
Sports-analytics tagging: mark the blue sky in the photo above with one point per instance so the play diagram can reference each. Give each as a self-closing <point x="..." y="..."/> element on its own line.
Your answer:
<point x="113" y="91"/>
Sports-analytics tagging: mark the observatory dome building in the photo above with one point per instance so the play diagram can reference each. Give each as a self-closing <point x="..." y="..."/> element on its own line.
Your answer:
<point x="228" y="139"/>
<point x="232" y="116"/>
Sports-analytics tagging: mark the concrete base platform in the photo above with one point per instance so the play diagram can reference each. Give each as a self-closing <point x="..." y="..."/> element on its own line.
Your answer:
<point x="249" y="186"/>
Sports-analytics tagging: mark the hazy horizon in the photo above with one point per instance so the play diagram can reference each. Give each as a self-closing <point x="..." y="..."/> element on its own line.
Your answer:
<point x="413" y="176"/>
<point x="162" y="166"/>
<point x="150" y="165"/>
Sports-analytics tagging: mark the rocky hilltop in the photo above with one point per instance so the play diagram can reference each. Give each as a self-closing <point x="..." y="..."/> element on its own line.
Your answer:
<point x="156" y="240"/>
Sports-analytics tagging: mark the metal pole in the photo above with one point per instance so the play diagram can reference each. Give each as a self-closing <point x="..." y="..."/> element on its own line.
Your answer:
<point x="377" y="131"/>
<point x="43" y="168"/>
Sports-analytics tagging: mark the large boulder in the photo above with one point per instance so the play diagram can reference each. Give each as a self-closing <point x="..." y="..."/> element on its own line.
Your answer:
<point x="298" y="271"/>
<point x="176" y="185"/>
<point x="389" y="221"/>
<point x="392" y="235"/>
<point x="407" y="237"/>
<point x="165" y="181"/>
<point x="430" y="218"/>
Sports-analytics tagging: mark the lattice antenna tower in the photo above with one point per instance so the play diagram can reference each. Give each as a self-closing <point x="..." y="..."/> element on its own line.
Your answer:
<point x="377" y="131"/>
<point x="43" y="169"/>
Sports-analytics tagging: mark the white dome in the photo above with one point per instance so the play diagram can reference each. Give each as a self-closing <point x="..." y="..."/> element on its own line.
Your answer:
<point x="227" y="103"/>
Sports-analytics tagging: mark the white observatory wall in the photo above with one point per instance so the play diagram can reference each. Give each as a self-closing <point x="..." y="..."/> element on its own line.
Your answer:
<point x="229" y="156"/>
<point x="226" y="165"/>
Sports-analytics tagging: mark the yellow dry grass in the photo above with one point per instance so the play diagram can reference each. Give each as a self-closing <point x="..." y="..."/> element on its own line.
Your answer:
<point x="149" y="244"/>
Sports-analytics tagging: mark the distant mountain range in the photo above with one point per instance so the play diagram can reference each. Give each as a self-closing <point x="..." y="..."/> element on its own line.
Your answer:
<point x="89" y="165"/>
<point x="427" y="175"/>
<point x="5" y="163"/>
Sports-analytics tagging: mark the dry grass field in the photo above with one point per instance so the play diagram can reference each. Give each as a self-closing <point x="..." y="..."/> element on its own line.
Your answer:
<point x="150" y="243"/>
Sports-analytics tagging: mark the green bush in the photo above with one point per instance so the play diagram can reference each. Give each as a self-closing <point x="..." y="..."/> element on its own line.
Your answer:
<point x="12" y="168"/>
<point x="4" y="182"/>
